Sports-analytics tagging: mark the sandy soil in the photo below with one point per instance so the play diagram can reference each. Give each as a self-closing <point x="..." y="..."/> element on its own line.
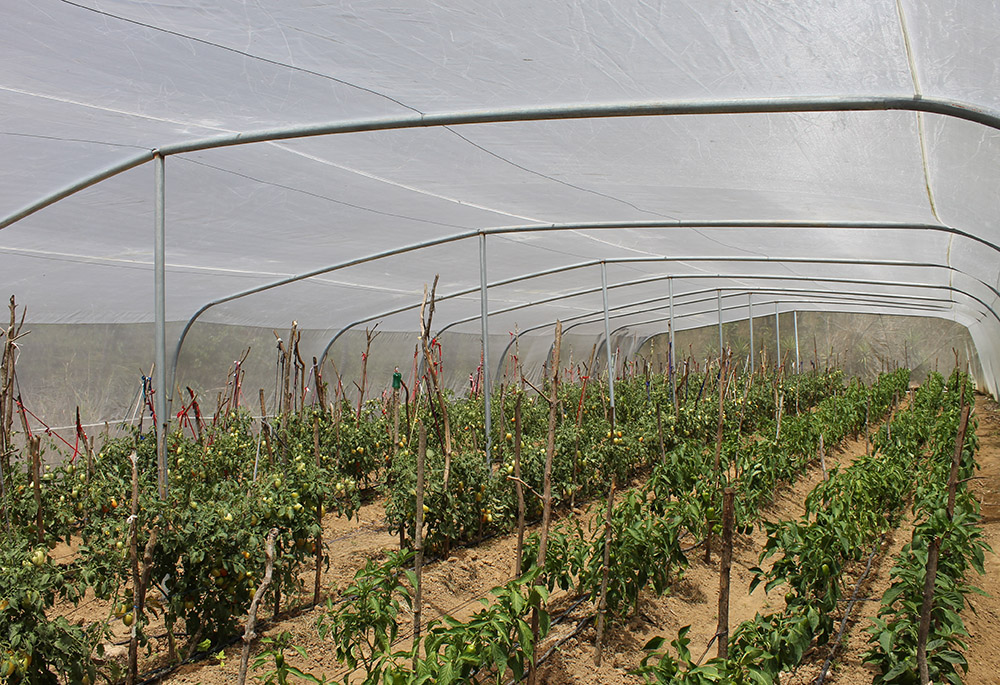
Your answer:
<point x="984" y="622"/>
<point x="694" y="601"/>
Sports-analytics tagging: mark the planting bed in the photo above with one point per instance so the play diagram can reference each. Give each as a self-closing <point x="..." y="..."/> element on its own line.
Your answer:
<point x="823" y="526"/>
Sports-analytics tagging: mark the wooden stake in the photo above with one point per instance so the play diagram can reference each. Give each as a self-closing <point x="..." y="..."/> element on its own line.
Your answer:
<point x="659" y="430"/>
<point x="141" y="584"/>
<point x="550" y="450"/>
<point x="724" y="570"/>
<point x="418" y="537"/>
<point x="868" y="411"/>
<point x="318" y="542"/>
<point x="265" y="428"/>
<point x="519" y="485"/>
<point x="934" y="550"/>
<point x="781" y="411"/>
<point x="320" y="385"/>
<point x="822" y="457"/>
<point x="249" y="635"/>
<point x="34" y="447"/>
<point x="723" y="379"/>
<point x="602" y="604"/>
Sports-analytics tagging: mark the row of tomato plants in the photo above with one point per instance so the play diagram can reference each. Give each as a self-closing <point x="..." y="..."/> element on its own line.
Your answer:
<point x="589" y="450"/>
<point x="844" y="515"/>
<point x="228" y="486"/>
<point x="893" y="634"/>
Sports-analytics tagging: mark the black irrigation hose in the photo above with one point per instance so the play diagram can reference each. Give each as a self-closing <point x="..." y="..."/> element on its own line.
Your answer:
<point x="847" y="612"/>
<point x="576" y="631"/>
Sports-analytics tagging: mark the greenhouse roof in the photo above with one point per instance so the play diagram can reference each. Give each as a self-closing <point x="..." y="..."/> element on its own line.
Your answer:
<point x="323" y="161"/>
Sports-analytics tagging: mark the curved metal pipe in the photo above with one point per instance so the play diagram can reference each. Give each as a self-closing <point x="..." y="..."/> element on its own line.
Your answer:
<point x="462" y="236"/>
<point x="637" y="108"/>
<point x="641" y="281"/>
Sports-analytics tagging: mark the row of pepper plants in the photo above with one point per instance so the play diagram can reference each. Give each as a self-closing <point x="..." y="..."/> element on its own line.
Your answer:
<point x="682" y="498"/>
<point x="893" y="634"/>
<point x="845" y="515"/>
<point x="231" y="482"/>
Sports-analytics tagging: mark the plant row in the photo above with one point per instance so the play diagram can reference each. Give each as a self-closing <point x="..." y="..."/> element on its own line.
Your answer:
<point x="894" y="633"/>
<point x="230" y="483"/>
<point x="845" y="515"/>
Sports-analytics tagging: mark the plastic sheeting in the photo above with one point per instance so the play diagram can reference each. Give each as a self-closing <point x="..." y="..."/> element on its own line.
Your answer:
<point x="90" y="84"/>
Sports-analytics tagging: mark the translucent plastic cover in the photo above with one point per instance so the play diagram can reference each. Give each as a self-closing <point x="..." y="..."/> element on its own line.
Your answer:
<point x="874" y="209"/>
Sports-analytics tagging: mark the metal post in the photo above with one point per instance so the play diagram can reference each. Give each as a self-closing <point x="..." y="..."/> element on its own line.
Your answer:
<point x="718" y="302"/>
<point x="672" y="357"/>
<point x="484" y="303"/>
<point x="777" y="333"/>
<point x="160" y="328"/>
<point x="607" y="341"/>
<point x="795" y="324"/>
<point x="750" y="318"/>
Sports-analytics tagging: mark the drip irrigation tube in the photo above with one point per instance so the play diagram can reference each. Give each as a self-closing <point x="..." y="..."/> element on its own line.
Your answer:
<point x="847" y="612"/>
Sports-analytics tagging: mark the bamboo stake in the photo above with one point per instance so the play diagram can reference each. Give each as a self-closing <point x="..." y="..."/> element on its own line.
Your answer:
<point x="249" y="635"/>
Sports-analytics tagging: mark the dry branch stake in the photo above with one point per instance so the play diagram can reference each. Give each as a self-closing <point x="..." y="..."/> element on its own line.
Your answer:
<point x="425" y="328"/>
<point x="249" y="635"/>
<point x="550" y="449"/>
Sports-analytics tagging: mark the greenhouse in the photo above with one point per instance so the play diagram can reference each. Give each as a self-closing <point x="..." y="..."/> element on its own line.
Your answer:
<point x="267" y="262"/>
